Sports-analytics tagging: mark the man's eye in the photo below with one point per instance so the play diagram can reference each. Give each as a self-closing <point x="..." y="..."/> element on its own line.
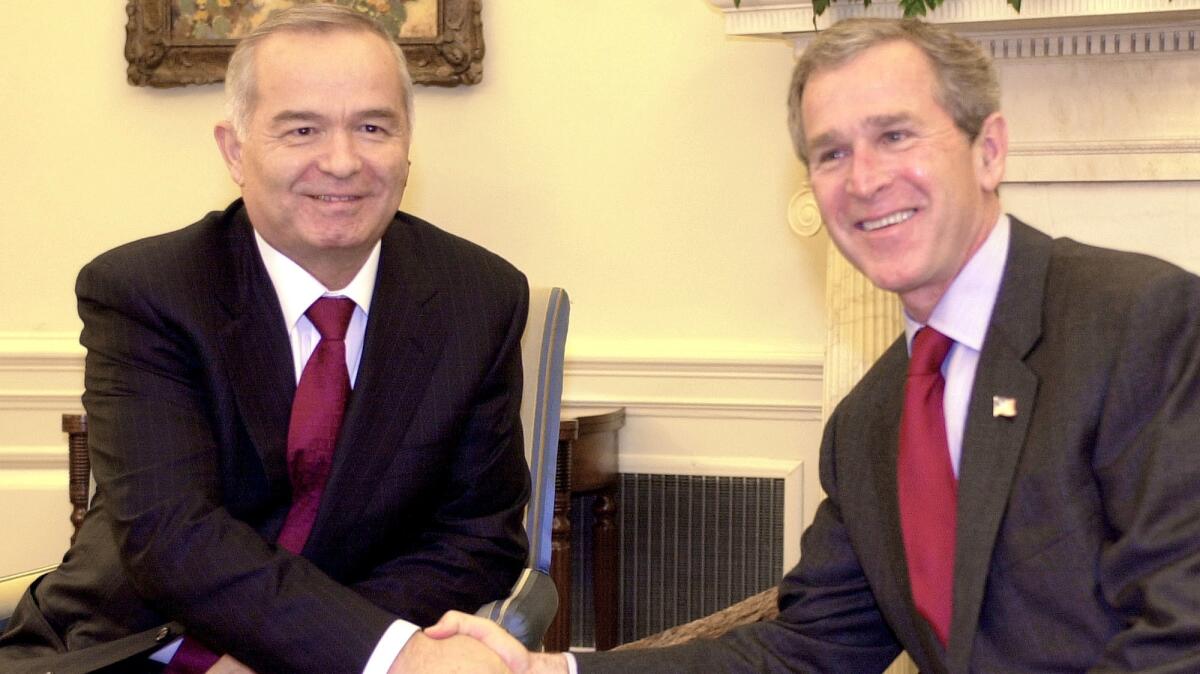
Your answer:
<point x="895" y="136"/>
<point x="303" y="131"/>
<point x="830" y="156"/>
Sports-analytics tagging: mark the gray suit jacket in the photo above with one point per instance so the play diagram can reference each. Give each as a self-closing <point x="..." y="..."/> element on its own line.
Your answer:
<point x="1079" y="518"/>
<point x="189" y="381"/>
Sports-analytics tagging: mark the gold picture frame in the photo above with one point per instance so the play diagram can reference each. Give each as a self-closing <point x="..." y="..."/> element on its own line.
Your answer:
<point x="172" y="43"/>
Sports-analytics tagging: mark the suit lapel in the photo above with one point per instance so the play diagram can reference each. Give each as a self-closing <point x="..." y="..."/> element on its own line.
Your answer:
<point x="992" y="442"/>
<point x="406" y="328"/>
<point x="255" y="347"/>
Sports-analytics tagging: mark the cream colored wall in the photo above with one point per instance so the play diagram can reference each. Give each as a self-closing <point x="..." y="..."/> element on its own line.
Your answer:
<point x="628" y="151"/>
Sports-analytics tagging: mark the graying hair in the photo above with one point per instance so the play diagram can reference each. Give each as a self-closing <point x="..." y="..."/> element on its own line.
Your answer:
<point x="967" y="87"/>
<point x="314" y="18"/>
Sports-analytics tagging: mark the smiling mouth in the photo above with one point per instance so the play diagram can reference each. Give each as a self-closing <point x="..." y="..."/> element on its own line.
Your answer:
<point x="887" y="220"/>
<point x="335" y="198"/>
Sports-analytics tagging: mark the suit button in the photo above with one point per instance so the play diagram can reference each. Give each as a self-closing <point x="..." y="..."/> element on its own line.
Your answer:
<point x="162" y="634"/>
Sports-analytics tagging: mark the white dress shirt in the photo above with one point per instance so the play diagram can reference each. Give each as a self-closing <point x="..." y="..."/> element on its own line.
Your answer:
<point x="963" y="314"/>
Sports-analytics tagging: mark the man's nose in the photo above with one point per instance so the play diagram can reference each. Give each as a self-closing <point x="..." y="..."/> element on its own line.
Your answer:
<point x="340" y="158"/>
<point x="869" y="173"/>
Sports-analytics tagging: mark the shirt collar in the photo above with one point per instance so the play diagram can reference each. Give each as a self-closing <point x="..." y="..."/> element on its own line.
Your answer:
<point x="964" y="312"/>
<point x="297" y="289"/>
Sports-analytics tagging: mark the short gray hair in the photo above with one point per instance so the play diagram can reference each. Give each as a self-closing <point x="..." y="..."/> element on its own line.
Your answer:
<point x="967" y="86"/>
<point x="240" y="84"/>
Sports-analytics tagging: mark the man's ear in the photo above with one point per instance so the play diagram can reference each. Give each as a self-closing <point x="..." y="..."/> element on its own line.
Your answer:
<point x="991" y="150"/>
<point x="231" y="149"/>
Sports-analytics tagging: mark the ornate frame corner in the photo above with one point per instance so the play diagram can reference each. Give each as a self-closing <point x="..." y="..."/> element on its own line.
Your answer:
<point x="453" y="57"/>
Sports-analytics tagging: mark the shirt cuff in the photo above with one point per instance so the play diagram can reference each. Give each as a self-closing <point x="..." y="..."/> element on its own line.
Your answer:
<point x="572" y="666"/>
<point x="389" y="646"/>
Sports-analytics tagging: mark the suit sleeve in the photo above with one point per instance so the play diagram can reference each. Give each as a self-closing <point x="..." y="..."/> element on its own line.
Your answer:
<point x="1147" y="463"/>
<point x="473" y="546"/>
<point x="155" y="459"/>
<point x="828" y="621"/>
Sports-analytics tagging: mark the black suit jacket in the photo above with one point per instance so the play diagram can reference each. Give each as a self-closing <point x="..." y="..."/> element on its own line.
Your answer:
<point x="189" y="381"/>
<point x="1078" y="543"/>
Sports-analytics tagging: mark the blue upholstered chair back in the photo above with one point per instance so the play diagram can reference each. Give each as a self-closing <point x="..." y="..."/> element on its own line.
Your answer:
<point x="542" y="349"/>
<point x="530" y="607"/>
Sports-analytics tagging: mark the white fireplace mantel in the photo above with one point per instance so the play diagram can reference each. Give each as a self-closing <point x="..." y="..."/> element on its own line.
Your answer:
<point x="1094" y="90"/>
<point x="974" y="17"/>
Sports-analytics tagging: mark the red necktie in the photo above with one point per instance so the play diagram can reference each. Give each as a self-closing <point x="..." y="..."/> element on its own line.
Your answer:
<point x="312" y="433"/>
<point x="926" y="483"/>
<point x="316" y="417"/>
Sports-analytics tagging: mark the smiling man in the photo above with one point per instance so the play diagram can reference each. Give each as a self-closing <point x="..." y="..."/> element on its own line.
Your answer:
<point x="1015" y="485"/>
<point x="303" y="410"/>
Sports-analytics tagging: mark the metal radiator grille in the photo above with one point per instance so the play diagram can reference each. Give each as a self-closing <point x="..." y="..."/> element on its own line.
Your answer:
<point x="690" y="545"/>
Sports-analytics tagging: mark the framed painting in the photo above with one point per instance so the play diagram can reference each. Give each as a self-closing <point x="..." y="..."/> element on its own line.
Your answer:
<point x="171" y="43"/>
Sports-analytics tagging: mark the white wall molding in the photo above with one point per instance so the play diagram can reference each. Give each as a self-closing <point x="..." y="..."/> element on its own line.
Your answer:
<point x="714" y="412"/>
<point x="33" y="400"/>
<point x="38" y="458"/>
<point x="1095" y="20"/>
<point x="40" y="344"/>
<point x="1132" y="146"/>
<point x="1094" y="90"/>
<point x="799" y="365"/>
<point x="1140" y="40"/>
<point x="711" y="409"/>
<point x="43" y="374"/>
<point x="782" y="387"/>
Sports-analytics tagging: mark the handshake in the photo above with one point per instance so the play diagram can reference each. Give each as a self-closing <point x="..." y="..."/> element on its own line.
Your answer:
<point x="462" y="643"/>
<point x="457" y="644"/>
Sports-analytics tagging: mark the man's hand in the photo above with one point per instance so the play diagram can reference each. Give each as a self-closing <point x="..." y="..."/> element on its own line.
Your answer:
<point x="458" y="625"/>
<point x="452" y="655"/>
<point x="229" y="665"/>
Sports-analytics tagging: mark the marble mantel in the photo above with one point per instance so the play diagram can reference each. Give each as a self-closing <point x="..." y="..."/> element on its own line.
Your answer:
<point x="796" y="19"/>
<point x="1095" y="90"/>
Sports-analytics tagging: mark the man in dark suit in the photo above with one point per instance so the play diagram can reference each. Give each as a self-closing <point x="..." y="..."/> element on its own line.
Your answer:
<point x="1056" y="528"/>
<point x="196" y="341"/>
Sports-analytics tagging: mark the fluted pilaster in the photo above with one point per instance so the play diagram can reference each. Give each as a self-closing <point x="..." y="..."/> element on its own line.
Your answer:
<point x="862" y="321"/>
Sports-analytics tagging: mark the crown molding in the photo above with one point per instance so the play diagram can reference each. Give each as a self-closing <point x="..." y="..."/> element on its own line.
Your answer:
<point x="1047" y="28"/>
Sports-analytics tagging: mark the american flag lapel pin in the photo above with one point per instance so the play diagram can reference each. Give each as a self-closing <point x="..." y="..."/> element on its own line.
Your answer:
<point x="1003" y="406"/>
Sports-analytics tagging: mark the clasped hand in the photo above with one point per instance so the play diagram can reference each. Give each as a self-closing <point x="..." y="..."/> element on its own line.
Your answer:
<point x="461" y="626"/>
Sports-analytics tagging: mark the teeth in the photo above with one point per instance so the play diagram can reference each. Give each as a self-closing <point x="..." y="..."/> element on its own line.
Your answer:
<point x="887" y="220"/>
<point x="328" y="197"/>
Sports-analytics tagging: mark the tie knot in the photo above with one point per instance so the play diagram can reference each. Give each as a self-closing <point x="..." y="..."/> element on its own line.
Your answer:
<point x="929" y="349"/>
<point x="331" y="316"/>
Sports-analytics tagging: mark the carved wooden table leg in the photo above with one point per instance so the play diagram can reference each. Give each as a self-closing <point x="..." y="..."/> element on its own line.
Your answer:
<point x="606" y="569"/>
<point x="594" y="471"/>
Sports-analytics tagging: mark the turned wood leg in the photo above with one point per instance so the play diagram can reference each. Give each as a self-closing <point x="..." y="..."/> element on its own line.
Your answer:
<point x="605" y="568"/>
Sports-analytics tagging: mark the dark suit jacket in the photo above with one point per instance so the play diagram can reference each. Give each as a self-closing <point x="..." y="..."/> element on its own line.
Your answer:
<point x="189" y="381"/>
<point x="1079" y="519"/>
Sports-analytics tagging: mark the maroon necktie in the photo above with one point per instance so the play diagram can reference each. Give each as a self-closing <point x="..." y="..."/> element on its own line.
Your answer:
<point x="926" y="483"/>
<point x="312" y="433"/>
<point x="316" y="417"/>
